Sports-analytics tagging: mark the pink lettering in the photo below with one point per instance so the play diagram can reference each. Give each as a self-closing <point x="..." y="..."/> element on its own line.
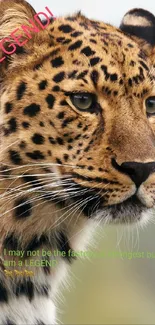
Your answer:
<point x="11" y="45"/>
<point x="27" y="30"/>
<point x="1" y="60"/>
<point x="35" y="29"/>
<point x="17" y="37"/>
<point x="48" y="10"/>
<point x="36" y="17"/>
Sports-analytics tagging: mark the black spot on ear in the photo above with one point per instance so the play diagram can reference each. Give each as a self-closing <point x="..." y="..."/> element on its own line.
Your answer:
<point x="35" y="155"/>
<point x="3" y="293"/>
<point x="23" y="208"/>
<point x="15" y="157"/>
<point x="57" y="62"/>
<point x="50" y="99"/>
<point x="66" y="29"/>
<point x="146" y="32"/>
<point x="144" y="13"/>
<point x="87" y="51"/>
<point x="38" y="138"/>
<point x="32" y="110"/>
<point x="59" y="77"/>
<point x="43" y="84"/>
<point x="25" y="288"/>
<point x="21" y="90"/>
<point x="75" y="46"/>
<point x="8" y="107"/>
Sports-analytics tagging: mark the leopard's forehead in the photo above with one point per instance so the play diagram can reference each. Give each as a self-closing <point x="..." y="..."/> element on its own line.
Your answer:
<point x="99" y="55"/>
<point x="89" y="55"/>
<point x="94" y="42"/>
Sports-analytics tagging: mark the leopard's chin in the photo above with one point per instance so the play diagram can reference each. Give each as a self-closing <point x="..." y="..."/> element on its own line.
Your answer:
<point x="129" y="211"/>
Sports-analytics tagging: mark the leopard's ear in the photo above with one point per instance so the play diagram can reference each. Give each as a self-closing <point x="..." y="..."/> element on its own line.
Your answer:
<point x="13" y="14"/>
<point x="16" y="44"/>
<point x="140" y="24"/>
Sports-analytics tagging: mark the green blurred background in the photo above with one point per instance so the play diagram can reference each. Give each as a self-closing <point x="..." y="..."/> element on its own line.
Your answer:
<point x="113" y="290"/>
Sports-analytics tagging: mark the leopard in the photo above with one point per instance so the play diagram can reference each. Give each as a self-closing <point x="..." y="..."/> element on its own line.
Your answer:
<point x="77" y="147"/>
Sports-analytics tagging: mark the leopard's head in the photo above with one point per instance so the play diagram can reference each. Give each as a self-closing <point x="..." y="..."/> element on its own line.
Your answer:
<point x="77" y="122"/>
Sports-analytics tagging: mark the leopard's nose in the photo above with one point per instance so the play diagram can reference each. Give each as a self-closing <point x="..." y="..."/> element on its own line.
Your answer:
<point x="138" y="172"/>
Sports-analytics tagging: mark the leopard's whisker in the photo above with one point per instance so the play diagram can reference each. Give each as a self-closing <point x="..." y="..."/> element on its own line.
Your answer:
<point x="45" y="165"/>
<point x="7" y="147"/>
<point x="35" y="199"/>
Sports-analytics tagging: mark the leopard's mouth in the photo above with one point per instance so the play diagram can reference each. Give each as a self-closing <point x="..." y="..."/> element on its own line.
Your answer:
<point x="132" y="200"/>
<point x="93" y="206"/>
<point x="132" y="207"/>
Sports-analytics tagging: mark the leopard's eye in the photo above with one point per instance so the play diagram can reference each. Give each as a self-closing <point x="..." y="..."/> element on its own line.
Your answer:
<point x="150" y="106"/>
<point x="82" y="101"/>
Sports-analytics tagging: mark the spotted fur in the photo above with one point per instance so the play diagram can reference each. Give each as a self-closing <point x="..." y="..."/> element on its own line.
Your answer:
<point x="63" y="169"/>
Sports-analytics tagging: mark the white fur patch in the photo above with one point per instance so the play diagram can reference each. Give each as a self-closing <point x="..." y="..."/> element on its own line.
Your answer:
<point x="23" y="312"/>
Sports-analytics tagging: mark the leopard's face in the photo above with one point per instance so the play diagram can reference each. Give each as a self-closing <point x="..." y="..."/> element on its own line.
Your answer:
<point x="75" y="125"/>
